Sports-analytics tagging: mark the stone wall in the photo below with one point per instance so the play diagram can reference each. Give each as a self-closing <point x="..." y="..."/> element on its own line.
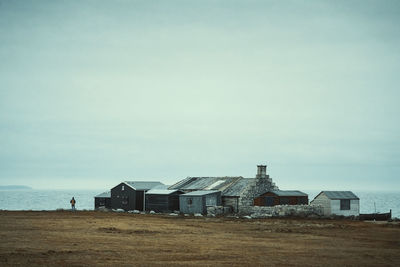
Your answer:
<point x="218" y="210"/>
<point x="257" y="187"/>
<point x="282" y="210"/>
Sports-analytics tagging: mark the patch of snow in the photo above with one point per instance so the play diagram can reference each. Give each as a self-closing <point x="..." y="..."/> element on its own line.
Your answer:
<point x="134" y="211"/>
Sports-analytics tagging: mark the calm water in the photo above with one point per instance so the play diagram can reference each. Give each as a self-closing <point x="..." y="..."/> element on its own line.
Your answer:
<point x="46" y="199"/>
<point x="59" y="199"/>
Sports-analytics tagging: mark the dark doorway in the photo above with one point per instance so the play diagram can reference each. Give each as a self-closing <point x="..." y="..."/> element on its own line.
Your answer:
<point x="139" y="200"/>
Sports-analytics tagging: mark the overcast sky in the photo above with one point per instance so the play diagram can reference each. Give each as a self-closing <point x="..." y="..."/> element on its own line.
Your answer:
<point x="96" y="92"/>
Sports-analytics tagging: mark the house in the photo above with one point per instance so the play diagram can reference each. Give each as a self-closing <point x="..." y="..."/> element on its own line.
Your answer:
<point x="130" y="195"/>
<point x="197" y="201"/>
<point x="236" y="192"/>
<point x="344" y="203"/>
<point x="281" y="197"/>
<point x="162" y="200"/>
<point x="103" y="200"/>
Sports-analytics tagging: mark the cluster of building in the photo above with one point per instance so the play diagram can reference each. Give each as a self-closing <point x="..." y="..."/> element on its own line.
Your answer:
<point x="234" y="194"/>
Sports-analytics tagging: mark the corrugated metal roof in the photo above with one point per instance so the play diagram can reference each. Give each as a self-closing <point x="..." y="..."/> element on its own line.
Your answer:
<point x="209" y="183"/>
<point x="143" y="185"/>
<point x="104" y="194"/>
<point x="237" y="188"/>
<point x="289" y="193"/>
<point x="182" y="183"/>
<point x="201" y="193"/>
<point x="160" y="192"/>
<point x="340" y="194"/>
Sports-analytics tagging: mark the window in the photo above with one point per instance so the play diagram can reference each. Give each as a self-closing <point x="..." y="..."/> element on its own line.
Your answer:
<point x="345" y="204"/>
<point x="123" y="188"/>
<point x="190" y="201"/>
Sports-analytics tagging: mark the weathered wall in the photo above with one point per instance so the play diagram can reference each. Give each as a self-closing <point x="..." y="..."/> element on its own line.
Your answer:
<point x="198" y="203"/>
<point x="353" y="211"/>
<point x="213" y="199"/>
<point x="282" y="210"/>
<point x="323" y="201"/>
<point x="192" y="204"/>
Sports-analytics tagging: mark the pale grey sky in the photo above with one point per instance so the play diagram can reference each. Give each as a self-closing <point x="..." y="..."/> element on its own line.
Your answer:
<point x="96" y="92"/>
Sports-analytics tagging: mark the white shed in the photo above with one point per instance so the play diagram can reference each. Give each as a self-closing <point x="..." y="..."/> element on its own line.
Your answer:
<point x="344" y="203"/>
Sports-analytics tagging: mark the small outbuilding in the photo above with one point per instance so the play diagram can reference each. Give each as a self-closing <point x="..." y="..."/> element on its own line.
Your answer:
<point x="197" y="201"/>
<point x="130" y="195"/>
<point x="281" y="197"/>
<point x="103" y="200"/>
<point x="162" y="200"/>
<point x="344" y="203"/>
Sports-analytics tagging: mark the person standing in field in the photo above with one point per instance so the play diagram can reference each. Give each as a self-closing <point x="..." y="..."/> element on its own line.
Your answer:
<point x="73" y="203"/>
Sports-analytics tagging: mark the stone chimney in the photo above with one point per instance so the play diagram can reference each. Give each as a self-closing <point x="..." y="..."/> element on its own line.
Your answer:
<point x="261" y="171"/>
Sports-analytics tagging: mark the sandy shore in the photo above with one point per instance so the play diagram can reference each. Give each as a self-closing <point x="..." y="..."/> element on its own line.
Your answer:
<point x="101" y="238"/>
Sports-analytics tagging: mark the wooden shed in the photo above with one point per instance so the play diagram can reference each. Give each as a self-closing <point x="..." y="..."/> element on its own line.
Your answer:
<point x="197" y="201"/>
<point x="344" y="203"/>
<point x="281" y="197"/>
<point x="103" y="200"/>
<point x="162" y="200"/>
<point x="130" y="195"/>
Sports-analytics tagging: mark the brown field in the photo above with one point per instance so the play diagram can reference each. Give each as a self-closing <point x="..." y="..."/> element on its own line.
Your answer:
<point x="100" y="238"/>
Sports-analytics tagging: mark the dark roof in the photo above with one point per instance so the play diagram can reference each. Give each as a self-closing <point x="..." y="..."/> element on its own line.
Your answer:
<point x="339" y="194"/>
<point x="104" y="194"/>
<point x="206" y="183"/>
<point x="201" y="193"/>
<point x="144" y="185"/>
<point x="289" y="193"/>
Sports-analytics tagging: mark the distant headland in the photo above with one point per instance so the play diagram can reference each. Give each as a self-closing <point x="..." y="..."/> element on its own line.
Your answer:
<point x="15" y="187"/>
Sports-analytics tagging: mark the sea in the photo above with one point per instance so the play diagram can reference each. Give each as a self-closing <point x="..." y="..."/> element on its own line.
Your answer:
<point x="47" y="200"/>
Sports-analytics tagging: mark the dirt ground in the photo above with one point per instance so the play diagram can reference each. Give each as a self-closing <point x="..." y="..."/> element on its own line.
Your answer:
<point x="63" y="238"/>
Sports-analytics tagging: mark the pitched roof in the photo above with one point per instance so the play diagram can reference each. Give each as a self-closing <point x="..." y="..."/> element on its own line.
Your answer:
<point x="104" y="194"/>
<point x="339" y="194"/>
<point x="237" y="188"/>
<point x="205" y="183"/>
<point x="144" y="185"/>
<point x="289" y="193"/>
<point x="201" y="193"/>
<point x="161" y="192"/>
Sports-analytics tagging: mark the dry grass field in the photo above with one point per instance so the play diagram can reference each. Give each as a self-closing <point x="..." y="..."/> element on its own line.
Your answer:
<point x="63" y="238"/>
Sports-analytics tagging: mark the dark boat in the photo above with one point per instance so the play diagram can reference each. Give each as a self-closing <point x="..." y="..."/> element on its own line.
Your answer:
<point x="376" y="216"/>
